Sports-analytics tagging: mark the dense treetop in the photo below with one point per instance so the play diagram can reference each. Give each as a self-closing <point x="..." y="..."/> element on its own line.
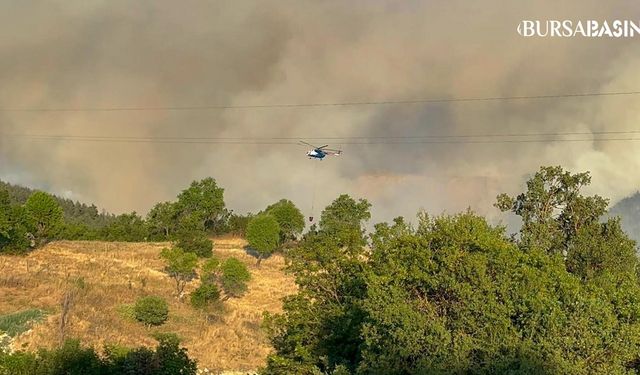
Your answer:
<point x="289" y="218"/>
<point x="74" y="211"/>
<point x="455" y="294"/>
<point x="263" y="235"/>
<point x="31" y="218"/>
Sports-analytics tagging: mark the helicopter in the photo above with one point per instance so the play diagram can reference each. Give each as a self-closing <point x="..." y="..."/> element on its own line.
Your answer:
<point x="320" y="152"/>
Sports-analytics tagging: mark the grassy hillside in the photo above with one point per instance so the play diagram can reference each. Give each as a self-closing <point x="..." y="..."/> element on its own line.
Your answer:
<point x="109" y="277"/>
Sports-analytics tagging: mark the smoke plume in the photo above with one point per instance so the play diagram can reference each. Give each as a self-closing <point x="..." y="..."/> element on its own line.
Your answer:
<point x="161" y="53"/>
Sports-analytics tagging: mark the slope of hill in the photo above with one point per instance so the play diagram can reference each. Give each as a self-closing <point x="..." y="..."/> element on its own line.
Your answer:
<point x="110" y="276"/>
<point x="629" y="211"/>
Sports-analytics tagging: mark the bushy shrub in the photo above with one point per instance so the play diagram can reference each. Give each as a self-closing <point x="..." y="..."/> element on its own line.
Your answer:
<point x="197" y="243"/>
<point x="169" y="337"/>
<point x="79" y="231"/>
<point x="126" y="227"/>
<point x="237" y="224"/>
<point x="205" y="295"/>
<point x="210" y="270"/>
<point x="235" y="276"/>
<point x="138" y="361"/>
<point x="180" y="266"/>
<point x="72" y="359"/>
<point x="18" y="363"/>
<point x="151" y="310"/>
<point x="173" y="359"/>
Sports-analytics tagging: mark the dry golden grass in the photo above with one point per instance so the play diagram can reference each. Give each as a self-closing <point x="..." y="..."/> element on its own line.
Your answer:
<point x="115" y="274"/>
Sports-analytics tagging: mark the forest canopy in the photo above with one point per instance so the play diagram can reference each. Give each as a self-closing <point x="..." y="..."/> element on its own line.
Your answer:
<point x="455" y="294"/>
<point x="444" y="294"/>
<point x="30" y="218"/>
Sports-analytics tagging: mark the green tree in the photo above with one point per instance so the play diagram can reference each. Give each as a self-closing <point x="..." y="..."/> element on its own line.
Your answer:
<point x="71" y="359"/>
<point x="14" y="234"/>
<point x="456" y="295"/>
<point x="191" y="237"/>
<point x="289" y="217"/>
<point x="163" y="220"/>
<point x="234" y="278"/>
<point x="44" y="215"/>
<point x="180" y="267"/>
<point x="173" y="359"/>
<point x="204" y="200"/>
<point x="263" y="233"/>
<point x="320" y="327"/>
<point x="5" y="207"/>
<point x="78" y="231"/>
<point x="76" y="214"/>
<point x="13" y="231"/>
<point x="168" y="358"/>
<point x="206" y="295"/>
<point x="552" y="209"/>
<point x="558" y="219"/>
<point x="343" y="219"/>
<point x="126" y="227"/>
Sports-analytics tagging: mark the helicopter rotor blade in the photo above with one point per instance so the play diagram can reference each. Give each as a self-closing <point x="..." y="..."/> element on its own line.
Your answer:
<point x="320" y="148"/>
<point x="307" y="144"/>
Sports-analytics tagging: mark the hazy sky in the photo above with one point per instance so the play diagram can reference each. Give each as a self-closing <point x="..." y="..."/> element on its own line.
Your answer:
<point x="90" y="54"/>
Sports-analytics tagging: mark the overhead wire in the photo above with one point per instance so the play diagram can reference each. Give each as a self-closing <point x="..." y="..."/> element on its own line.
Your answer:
<point x="545" y="137"/>
<point x="318" y="104"/>
<point x="492" y="138"/>
<point x="353" y="137"/>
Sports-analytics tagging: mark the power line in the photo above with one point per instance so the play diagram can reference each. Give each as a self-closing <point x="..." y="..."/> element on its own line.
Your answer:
<point x="316" y="105"/>
<point x="349" y="141"/>
<point x="333" y="138"/>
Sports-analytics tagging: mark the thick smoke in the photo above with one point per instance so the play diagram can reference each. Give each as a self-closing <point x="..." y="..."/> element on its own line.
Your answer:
<point x="86" y="54"/>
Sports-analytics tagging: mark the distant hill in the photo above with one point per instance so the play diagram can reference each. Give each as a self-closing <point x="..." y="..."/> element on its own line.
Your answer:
<point x="74" y="211"/>
<point x="629" y="211"/>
